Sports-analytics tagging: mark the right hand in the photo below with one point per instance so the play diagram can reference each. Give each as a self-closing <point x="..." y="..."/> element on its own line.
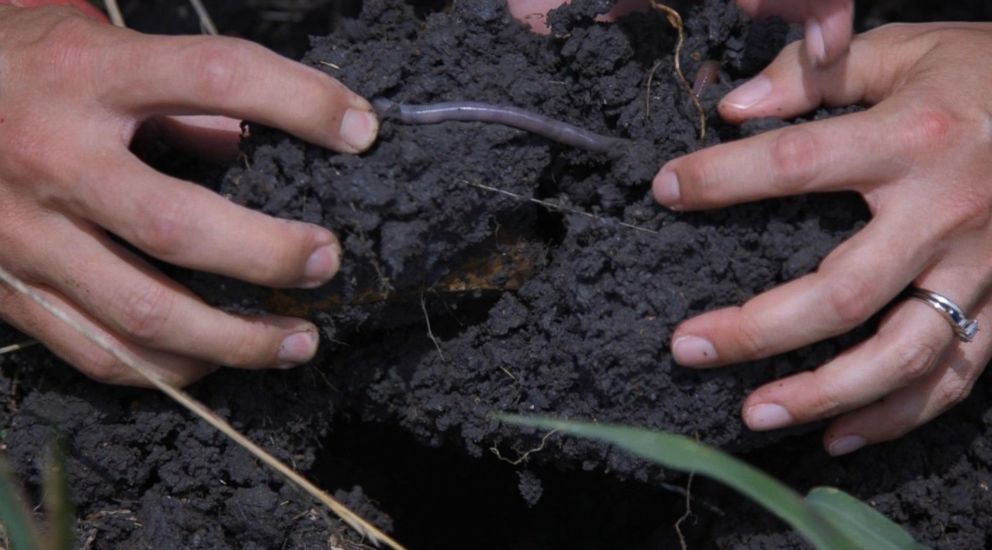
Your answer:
<point x="74" y="92"/>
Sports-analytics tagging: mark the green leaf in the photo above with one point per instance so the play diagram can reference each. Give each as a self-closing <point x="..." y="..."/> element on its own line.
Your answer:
<point x="58" y="504"/>
<point x="685" y="454"/>
<point x="861" y="523"/>
<point x="14" y="516"/>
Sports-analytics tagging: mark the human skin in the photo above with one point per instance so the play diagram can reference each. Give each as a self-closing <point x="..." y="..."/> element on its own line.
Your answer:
<point x="827" y="22"/>
<point x="75" y="92"/>
<point x="920" y="158"/>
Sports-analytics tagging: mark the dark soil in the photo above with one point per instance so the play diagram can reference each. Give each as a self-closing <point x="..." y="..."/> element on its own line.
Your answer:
<point x="457" y="300"/>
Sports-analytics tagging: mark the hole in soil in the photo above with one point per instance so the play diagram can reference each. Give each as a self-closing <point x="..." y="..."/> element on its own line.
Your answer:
<point x="440" y="498"/>
<point x="423" y="8"/>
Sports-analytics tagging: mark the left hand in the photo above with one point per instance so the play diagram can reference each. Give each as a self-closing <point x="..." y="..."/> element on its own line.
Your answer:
<point x="920" y="157"/>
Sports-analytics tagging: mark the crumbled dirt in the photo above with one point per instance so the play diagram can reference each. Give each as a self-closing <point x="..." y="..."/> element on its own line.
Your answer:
<point x="460" y="296"/>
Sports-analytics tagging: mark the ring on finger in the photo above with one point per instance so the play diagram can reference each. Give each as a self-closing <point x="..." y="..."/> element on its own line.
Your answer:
<point x="964" y="328"/>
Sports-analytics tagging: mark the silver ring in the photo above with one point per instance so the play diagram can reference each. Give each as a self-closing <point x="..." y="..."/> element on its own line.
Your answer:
<point x="964" y="328"/>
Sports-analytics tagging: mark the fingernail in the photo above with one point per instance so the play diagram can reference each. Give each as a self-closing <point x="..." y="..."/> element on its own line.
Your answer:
<point x="297" y="348"/>
<point x="749" y="94"/>
<point x="666" y="188"/>
<point x="358" y="128"/>
<point x="767" y="416"/>
<point x="321" y="265"/>
<point x="846" y="444"/>
<point x="693" y="350"/>
<point x="816" y="48"/>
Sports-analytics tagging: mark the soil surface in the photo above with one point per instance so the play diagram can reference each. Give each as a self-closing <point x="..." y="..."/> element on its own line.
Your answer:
<point x="487" y="270"/>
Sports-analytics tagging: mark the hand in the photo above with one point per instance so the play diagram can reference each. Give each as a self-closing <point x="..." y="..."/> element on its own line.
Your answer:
<point x="920" y="158"/>
<point x="535" y="12"/>
<point x="828" y="23"/>
<point x="74" y="93"/>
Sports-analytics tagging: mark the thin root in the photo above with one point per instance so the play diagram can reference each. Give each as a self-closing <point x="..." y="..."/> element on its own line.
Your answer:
<point x="525" y="455"/>
<point x="687" y="514"/>
<point x="149" y="372"/>
<point x="675" y="20"/>
<point x="430" y="331"/>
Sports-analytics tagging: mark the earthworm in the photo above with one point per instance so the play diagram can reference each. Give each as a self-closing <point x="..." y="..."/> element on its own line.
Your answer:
<point x="472" y="111"/>
<point x="708" y="73"/>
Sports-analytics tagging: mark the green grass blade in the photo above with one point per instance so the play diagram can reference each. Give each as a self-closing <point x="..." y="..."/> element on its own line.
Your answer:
<point x="684" y="454"/>
<point x="14" y="516"/>
<point x="859" y="521"/>
<point x="58" y="503"/>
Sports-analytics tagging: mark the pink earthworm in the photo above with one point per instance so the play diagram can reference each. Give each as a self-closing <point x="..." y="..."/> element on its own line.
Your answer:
<point x="708" y="73"/>
<point x="471" y="111"/>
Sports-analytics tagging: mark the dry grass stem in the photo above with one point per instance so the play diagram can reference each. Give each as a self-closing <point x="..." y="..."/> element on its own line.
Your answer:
<point x="558" y="207"/>
<point x="206" y="23"/>
<point x="17" y="347"/>
<point x="675" y="20"/>
<point x="147" y="371"/>
<point x="114" y="11"/>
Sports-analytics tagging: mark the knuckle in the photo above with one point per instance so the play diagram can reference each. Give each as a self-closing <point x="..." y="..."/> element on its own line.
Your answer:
<point x="952" y="392"/>
<point x="849" y="298"/>
<point x="699" y="180"/>
<point x="146" y="312"/>
<point x="162" y="231"/>
<point x="66" y="50"/>
<point x="923" y="129"/>
<point x="243" y="352"/>
<point x="916" y="359"/>
<point x="795" y="153"/>
<point x="826" y="402"/>
<point x="968" y="211"/>
<point x="752" y="336"/>
<point x="101" y="366"/>
<point x="217" y="67"/>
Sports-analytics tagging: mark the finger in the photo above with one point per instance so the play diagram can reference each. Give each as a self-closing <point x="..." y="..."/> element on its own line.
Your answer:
<point x="188" y="225"/>
<point x="534" y="13"/>
<point x="130" y="298"/>
<point x="826" y="155"/>
<point x="793" y="85"/>
<point x="852" y="283"/>
<point x="77" y="350"/>
<point x="237" y="79"/>
<point x="950" y="383"/>
<point x="906" y="348"/>
<point x="829" y="29"/>
<point x="211" y="138"/>
<point x="829" y="23"/>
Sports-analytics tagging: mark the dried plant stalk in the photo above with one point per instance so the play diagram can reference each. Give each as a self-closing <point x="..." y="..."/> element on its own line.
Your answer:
<point x="115" y="12"/>
<point x="147" y="371"/>
<point x="206" y="23"/>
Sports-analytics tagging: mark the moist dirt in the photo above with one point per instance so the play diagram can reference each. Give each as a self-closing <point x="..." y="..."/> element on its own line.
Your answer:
<point x="490" y="270"/>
